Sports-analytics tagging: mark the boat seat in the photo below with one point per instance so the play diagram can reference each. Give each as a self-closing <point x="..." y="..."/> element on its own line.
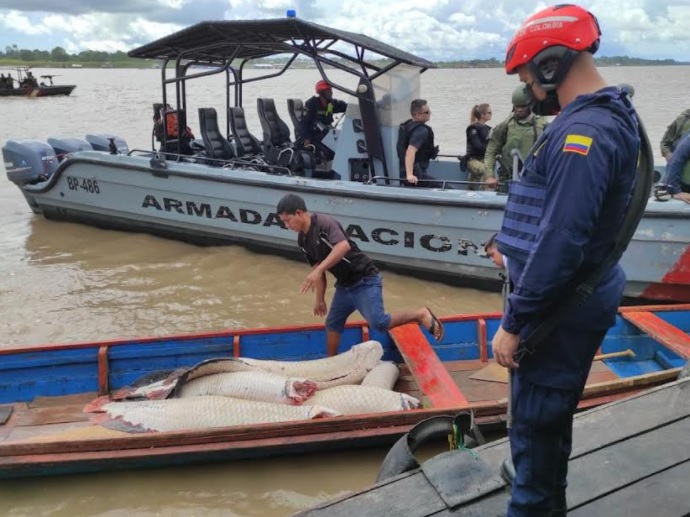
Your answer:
<point x="217" y="146"/>
<point x="245" y="143"/>
<point x="276" y="132"/>
<point x="296" y="110"/>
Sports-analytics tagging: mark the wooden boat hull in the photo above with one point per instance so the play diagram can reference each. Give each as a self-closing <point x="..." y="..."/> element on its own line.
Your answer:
<point x="46" y="388"/>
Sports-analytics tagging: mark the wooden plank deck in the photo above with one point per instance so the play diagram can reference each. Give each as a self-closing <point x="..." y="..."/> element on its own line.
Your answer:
<point x="429" y="372"/>
<point x="630" y="459"/>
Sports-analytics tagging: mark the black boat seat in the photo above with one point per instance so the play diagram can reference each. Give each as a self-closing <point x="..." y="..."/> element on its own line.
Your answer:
<point x="278" y="147"/>
<point x="245" y="143"/>
<point x="296" y="110"/>
<point x="276" y="132"/>
<point x="217" y="146"/>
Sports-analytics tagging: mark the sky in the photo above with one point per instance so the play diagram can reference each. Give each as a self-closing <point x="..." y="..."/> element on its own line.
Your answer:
<point x="437" y="30"/>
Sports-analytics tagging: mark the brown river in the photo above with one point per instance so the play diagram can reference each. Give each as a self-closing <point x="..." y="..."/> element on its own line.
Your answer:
<point x="62" y="282"/>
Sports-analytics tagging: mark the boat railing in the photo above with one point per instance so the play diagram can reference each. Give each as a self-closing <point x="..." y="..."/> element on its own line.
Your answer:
<point x="251" y="164"/>
<point x="445" y="184"/>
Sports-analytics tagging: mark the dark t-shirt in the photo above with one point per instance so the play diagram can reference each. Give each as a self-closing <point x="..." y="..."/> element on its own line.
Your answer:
<point x="324" y="233"/>
<point x="419" y="137"/>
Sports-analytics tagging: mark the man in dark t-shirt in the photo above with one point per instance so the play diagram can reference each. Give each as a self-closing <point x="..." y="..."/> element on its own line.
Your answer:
<point x="416" y="147"/>
<point x="358" y="282"/>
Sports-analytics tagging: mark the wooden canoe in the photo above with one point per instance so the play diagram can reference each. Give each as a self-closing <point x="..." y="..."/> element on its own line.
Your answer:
<point x="43" y="389"/>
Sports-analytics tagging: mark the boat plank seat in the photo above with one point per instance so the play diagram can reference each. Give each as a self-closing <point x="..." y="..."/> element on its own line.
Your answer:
<point x="665" y="333"/>
<point x="217" y="146"/>
<point x="432" y="377"/>
<point x="246" y="144"/>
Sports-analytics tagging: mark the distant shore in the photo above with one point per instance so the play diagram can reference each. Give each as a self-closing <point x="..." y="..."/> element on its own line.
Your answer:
<point x="262" y="64"/>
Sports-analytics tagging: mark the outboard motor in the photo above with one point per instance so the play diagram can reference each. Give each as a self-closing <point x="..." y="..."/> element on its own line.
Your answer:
<point x="66" y="146"/>
<point x="101" y="142"/>
<point x="28" y="161"/>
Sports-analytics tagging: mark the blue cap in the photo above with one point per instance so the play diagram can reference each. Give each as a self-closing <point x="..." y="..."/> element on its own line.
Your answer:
<point x="291" y="13"/>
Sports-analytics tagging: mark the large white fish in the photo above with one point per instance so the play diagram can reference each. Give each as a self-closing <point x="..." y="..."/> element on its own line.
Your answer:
<point x="357" y="399"/>
<point x="260" y="385"/>
<point x="347" y="368"/>
<point x="383" y="375"/>
<point x="202" y="412"/>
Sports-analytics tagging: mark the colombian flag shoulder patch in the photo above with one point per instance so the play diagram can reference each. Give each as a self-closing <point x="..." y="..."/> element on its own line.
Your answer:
<point x="577" y="144"/>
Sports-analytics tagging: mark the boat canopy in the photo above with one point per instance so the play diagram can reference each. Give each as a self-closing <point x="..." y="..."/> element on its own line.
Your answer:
<point x="215" y="42"/>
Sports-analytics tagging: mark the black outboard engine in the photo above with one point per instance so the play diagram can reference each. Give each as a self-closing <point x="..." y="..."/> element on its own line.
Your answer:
<point x="28" y="161"/>
<point x="101" y="142"/>
<point x="66" y="146"/>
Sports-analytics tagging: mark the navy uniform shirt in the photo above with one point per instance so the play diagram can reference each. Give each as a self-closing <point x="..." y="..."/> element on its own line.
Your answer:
<point x="585" y="161"/>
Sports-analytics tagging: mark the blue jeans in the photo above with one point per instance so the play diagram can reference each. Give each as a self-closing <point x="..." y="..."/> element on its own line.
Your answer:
<point x="365" y="296"/>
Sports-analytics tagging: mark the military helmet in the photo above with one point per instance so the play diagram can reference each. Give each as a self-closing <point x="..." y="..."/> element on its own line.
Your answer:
<point x="520" y="96"/>
<point x="549" y="40"/>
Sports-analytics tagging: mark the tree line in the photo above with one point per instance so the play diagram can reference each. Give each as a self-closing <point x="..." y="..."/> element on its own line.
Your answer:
<point x="59" y="57"/>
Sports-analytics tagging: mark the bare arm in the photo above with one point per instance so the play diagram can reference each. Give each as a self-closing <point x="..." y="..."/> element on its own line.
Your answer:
<point x="335" y="256"/>
<point x="409" y="164"/>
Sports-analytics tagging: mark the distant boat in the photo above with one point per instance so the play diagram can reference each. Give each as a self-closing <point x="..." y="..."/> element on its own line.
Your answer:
<point x="28" y="86"/>
<point x="105" y="65"/>
<point x="264" y="65"/>
<point x="76" y="65"/>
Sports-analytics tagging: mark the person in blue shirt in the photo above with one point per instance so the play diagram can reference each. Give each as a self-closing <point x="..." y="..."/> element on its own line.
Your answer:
<point x="561" y="220"/>
<point x="677" y="177"/>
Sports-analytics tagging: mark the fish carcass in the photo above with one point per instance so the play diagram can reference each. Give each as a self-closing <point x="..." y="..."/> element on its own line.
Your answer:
<point x="201" y="412"/>
<point x="347" y="368"/>
<point x="357" y="399"/>
<point x="260" y="385"/>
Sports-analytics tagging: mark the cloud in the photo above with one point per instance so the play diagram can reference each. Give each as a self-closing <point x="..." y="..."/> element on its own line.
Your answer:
<point x="434" y="29"/>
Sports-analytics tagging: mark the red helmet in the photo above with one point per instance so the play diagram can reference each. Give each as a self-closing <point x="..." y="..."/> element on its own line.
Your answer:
<point x="322" y="86"/>
<point x="566" y="29"/>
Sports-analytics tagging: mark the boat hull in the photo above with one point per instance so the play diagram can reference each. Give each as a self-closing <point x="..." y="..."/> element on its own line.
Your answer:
<point x="431" y="233"/>
<point x="39" y="91"/>
<point x="46" y="388"/>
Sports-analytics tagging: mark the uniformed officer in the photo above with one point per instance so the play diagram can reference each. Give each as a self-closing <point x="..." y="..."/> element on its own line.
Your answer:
<point x="519" y="131"/>
<point x="674" y="132"/>
<point x="318" y="113"/>
<point x="561" y="220"/>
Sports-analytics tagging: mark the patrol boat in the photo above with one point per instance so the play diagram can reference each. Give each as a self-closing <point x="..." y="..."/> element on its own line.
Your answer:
<point x="46" y="88"/>
<point x="228" y="193"/>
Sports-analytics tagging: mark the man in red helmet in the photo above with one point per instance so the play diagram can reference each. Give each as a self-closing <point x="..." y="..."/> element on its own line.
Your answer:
<point x="560" y="223"/>
<point x="318" y="114"/>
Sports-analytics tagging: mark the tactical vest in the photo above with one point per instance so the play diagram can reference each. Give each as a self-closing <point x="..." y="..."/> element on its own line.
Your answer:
<point x="524" y="208"/>
<point x="522" y="135"/>
<point x="424" y="154"/>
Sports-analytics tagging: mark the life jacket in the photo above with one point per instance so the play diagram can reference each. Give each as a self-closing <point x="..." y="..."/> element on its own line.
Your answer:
<point x="425" y="153"/>
<point x="171" y="122"/>
<point x="524" y="206"/>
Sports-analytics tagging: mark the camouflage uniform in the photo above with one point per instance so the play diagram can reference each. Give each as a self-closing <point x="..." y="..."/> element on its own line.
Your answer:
<point x="508" y="135"/>
<point x="674" y="132"/>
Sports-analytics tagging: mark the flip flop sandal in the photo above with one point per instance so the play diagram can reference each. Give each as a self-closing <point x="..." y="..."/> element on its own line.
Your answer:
<point x="435" y="322"/>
